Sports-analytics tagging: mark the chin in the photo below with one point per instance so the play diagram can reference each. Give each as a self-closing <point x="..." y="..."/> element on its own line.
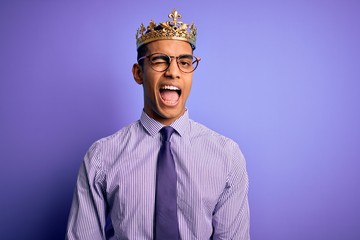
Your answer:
<point x="171" y="114"/>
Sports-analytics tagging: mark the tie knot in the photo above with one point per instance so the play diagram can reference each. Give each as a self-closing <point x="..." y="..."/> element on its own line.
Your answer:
<point x="166" y="133"/>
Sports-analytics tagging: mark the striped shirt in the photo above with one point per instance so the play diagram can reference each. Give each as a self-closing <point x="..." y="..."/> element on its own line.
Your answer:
<point x="115" y="187"/>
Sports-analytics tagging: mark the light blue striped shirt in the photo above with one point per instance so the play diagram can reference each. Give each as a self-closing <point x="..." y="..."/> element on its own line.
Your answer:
<point x="117" y="181"/>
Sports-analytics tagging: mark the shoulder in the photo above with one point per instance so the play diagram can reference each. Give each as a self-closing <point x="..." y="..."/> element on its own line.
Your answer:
<point x="113" y="143"/>
<point x="198" y="130"/>
<point x="213" y="141"/>
<point x="121" y="135"/>
<point x="222" y="150"/>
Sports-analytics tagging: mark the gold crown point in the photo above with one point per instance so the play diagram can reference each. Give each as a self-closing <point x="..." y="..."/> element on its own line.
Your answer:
<point x="174" y="15"/>
<point x="171" y="30"/>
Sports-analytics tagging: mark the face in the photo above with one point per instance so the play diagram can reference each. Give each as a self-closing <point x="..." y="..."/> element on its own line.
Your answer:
<point x="165" y="93"/>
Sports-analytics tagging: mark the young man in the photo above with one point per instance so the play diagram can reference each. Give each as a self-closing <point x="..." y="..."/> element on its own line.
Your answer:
<point x="164" y="176"/>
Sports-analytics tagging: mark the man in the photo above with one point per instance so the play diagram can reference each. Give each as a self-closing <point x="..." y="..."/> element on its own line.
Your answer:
<point x="164" y="176"/>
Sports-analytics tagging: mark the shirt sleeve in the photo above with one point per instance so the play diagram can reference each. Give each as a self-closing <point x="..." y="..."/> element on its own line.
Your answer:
<point x="231" y="219"/>
<point x="87" y="217"/>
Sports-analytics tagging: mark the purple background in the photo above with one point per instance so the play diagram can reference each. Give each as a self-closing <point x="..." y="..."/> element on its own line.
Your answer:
<point x="282" y="78"/>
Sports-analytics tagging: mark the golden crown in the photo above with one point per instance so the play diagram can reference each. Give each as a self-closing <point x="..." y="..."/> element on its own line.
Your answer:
<point x="172" y="29"/>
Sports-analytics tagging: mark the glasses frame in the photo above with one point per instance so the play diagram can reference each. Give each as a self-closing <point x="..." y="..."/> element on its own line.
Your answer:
<point x="197" y="60"/>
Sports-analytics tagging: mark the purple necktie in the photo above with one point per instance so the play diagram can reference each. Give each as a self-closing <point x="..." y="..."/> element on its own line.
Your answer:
<point x="166" y="222"/>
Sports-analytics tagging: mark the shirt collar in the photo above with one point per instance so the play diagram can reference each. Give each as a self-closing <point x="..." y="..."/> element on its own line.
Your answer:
<point x="153" y="127"/>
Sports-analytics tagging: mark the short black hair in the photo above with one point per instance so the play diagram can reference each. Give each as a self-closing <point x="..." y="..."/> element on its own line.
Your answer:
<point x="141" y="51"/>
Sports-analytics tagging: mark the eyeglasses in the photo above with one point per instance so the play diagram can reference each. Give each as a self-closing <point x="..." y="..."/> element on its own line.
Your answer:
<point x="160" y="62"/>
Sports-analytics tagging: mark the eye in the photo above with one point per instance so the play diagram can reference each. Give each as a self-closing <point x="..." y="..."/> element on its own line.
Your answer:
<point x="159" y="59"/>
<point x="185" y="60"/>
<point x="185" y="63"/>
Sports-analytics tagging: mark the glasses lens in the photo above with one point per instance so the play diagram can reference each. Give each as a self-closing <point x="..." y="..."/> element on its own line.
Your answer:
<point x="187" y="63"/>
<point x="159" y="62"/>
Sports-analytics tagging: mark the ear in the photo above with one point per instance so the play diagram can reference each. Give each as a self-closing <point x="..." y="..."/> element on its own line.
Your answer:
<point x="137" y="73"/>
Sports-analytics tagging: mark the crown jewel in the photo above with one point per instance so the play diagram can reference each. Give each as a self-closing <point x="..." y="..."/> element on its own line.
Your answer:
<point x="171" y="29"/>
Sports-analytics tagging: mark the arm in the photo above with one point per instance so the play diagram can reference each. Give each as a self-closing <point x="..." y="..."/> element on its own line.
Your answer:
<point x="87" y="214"/>
<point x="231" y="219"/>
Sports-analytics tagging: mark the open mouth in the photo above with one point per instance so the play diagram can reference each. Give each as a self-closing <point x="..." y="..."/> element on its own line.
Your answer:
<point x="170" y="94"/>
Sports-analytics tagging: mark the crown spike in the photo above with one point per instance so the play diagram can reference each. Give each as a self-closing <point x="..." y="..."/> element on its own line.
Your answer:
<point x="174" y="15"/>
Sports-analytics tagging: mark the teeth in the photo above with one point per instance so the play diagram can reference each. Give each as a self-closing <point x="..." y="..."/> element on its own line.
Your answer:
<point x="170" y="88"/>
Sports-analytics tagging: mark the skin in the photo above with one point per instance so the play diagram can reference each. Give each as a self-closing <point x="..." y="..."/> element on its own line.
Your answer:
<point x="154" y="106"/>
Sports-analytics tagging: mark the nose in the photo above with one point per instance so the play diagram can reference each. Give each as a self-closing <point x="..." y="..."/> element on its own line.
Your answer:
<point x="173" y="70"/>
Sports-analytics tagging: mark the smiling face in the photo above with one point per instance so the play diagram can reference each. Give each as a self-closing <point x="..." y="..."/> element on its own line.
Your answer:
<point x="165" y="93"/>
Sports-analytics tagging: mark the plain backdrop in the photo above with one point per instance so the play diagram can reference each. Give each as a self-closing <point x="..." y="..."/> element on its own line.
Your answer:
<point x="279" y="77"/>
